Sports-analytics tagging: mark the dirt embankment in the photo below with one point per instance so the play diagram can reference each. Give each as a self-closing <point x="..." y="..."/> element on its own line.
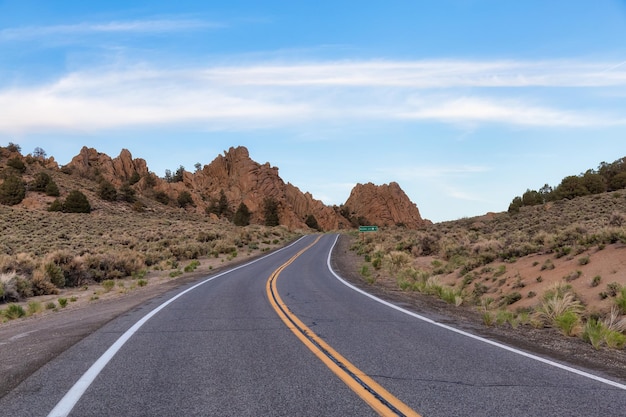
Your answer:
<point x="27" y="344"/>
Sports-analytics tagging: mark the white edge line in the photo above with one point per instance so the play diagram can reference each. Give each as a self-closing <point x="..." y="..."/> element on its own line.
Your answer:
<point x="470" y="335"/>
<point x="69" y="400"/>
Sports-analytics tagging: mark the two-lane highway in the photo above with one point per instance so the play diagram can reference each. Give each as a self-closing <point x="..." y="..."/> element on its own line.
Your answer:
<point x="221" y="347"/>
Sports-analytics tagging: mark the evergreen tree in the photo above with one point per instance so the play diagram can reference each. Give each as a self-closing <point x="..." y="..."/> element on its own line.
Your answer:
<point x="270" y="210"/>
<point x="242" y="215"/>
<point x="12" y="190"/>
<point x="40" y="182"/>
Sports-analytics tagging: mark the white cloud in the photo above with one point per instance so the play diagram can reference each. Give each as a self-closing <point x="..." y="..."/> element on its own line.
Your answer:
<point x="249" y="97"/>
<point x="133" y="26"/>
<point x="469" y="109"/>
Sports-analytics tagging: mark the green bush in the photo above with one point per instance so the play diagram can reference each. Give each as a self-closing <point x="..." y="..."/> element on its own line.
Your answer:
<point x="52" y="189"/>
<point x="76" y="202"/>
<point x="107" y="191"/>
<point x="184" y="199"/>
<point x="40" y="182"/>
<point x="14" y="311"/>
<point x="567" y="322"/>
<point x="17" y="164"/>
<point x="12" y="191"/>
<point x="62" y="302"/>
<point x="55" y="274"/>
<point x="57" y="205"/>
<point x="108" y="284"/>
<point x="162" y="197"/>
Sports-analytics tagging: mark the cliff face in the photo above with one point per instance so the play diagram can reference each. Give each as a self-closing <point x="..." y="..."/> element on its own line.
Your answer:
<point x="383" y="205"/>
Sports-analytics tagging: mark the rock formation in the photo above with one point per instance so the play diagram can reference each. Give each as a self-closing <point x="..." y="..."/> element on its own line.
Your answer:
<point x="244" y="180"/>
<point x="236" y="177"/>
<point x="91" y="163"/>
<point x="383" y="205"/>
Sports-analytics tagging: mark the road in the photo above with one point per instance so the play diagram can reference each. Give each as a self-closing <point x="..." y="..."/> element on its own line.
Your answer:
<point x="219" y="347"/>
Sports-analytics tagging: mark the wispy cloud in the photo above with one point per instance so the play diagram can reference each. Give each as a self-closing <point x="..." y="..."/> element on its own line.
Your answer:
<point x="132" y="26"/>
<point x="258" y="96"/>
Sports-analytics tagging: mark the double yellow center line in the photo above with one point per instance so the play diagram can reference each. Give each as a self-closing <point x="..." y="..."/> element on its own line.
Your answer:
<point x="381" y="400"/>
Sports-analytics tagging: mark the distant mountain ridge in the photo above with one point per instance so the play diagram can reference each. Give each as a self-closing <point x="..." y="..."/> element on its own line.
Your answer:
<point x="234" y="178"/>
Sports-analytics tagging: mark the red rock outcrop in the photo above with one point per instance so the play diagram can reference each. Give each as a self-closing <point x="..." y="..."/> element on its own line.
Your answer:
<point x="90" y="162"/>
<point x="243" y="180"/>
<point x="383" y="205"/>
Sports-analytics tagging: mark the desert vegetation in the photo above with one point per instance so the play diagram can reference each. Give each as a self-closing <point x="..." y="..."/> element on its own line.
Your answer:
<point x="61" y="231"/>
<point x="557" y="265"/>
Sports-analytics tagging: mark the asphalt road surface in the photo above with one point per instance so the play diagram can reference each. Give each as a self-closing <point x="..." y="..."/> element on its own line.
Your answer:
<point x="283" y="336"/>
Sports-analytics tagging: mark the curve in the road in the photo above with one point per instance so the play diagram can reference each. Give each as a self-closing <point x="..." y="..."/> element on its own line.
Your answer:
<point x="470" y="335"/>
<point x="71" y="398"/>
<point x="377" y="397"/>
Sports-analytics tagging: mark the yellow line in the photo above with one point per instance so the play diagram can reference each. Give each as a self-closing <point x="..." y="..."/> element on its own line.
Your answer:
<point x="319" y="347"/>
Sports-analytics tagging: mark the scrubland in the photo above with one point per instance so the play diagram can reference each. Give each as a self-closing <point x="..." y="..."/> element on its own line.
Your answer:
<point x="559" y="265"/>
<point x="51" y="260"/>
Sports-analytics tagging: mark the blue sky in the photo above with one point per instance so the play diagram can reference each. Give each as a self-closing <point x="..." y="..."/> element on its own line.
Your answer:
<point x="465" y="103"/>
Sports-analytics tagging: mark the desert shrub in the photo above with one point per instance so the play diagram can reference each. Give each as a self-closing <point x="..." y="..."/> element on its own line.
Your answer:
<point x="42" y="286"/>
<point x="511" y="298"/>
<point x="109" y="265"/>
<point x="108" y="285"/>
<point x="572" y="276"/>
<point x="615" y="340"/>
<point x="396" y="260"/>
<point x="593" y="333"/>
<point x="41" y="181"/>
<point x="620" y="300"/>
<point x="17" y="164"/>
<point x="14" y="311"/>
<point x="596" y="281"/>
<point x="33" y="307"/>
<point x="162" y="197"/>
<point x="12" y="191"/>
<point x="57" y="205"/>
<point x="555" y="303"/>
<point x="107" y="191"/>
<point x="52" y="189"/>
<point x="567" y="322"/>
<point x="613" y="288"/>
<point x="76" y="202"/>
<point x="547" y="265"/>
<point x="583" y="260"/>
<point x="127" y="193"/>
<point x="184" y="199"/>
<point x="55" y="274"/>
<point x="62" y="302"/>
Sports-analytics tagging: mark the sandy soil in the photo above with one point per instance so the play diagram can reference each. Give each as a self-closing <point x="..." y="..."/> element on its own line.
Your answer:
<point x="27" y="344"/>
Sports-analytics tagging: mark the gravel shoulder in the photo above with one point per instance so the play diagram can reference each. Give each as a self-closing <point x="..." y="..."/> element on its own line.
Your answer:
<point x="28" y="344"/>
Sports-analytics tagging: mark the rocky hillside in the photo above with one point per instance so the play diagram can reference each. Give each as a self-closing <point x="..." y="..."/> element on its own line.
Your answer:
<point x="217" y="189"/>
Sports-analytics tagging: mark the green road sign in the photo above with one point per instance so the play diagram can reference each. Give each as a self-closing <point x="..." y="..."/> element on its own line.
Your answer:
<point x="368" y="228"/>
